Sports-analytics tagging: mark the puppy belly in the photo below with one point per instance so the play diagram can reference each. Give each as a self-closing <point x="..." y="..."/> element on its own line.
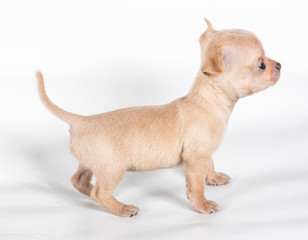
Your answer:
<point x="150" y="155"/>
<point x="133" y="156"/>
<point x="148" y="164"/>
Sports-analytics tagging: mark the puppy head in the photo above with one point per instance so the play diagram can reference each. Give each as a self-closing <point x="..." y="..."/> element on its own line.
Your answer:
<point x="235" y="59"/>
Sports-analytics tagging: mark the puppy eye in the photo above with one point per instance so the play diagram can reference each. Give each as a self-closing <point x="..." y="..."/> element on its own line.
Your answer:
<point x="262" y="66"/>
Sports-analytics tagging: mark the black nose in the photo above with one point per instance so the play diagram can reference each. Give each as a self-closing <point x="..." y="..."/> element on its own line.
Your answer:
<point x="278" y="66"/>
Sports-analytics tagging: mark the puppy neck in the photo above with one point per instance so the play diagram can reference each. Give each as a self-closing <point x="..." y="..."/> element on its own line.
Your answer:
<point x="208" y="92"/>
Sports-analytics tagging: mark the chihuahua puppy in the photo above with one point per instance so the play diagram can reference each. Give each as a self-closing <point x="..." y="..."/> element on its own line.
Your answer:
<point x="185" y="132"/>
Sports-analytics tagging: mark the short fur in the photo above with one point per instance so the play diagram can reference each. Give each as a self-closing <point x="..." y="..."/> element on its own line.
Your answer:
<point x="186" y="131"/>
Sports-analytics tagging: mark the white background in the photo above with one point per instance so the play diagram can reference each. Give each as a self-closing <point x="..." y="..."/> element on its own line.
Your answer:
<point x="102" y="55"/>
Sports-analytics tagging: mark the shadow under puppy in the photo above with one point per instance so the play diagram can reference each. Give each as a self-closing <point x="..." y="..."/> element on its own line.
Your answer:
<point x="186" y="131"/>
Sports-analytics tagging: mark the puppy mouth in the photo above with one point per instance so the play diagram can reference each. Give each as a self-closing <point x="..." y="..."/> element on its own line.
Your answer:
<point x="275" y="80"/>
<point x="276" y="72"/>
<point x="275" y="77"/>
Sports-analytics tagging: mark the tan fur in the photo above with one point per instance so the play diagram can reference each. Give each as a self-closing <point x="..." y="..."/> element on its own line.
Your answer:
<point x="187" y="130"/>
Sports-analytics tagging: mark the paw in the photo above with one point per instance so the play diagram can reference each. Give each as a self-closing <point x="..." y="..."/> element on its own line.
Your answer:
<point x="218" y="179"/>
<point x="129" y="211"/>
<point x="208" y="207"/>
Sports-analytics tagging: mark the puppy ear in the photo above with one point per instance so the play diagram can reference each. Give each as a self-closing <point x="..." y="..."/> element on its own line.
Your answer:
<point x="213" y="61"/>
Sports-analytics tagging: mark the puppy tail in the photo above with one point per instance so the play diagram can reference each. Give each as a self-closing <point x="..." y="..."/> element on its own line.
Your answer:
<point x="68" y="117"/>
<point x="209" y="24"/>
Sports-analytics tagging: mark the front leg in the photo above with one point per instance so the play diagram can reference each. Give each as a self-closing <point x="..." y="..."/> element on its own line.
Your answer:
<point x="214" y="178"/>
<point x="196" y="168"/>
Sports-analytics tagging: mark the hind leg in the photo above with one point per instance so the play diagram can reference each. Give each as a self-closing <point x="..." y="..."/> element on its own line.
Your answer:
<point x="81" y="180"/>
<point x="106" y="182"/>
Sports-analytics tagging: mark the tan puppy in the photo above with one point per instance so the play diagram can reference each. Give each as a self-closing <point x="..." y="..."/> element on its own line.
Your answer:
<point x="186" y="131"/>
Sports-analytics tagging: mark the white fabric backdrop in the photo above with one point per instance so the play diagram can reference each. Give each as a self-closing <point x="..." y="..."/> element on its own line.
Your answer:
<point x="102" y="55"/>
